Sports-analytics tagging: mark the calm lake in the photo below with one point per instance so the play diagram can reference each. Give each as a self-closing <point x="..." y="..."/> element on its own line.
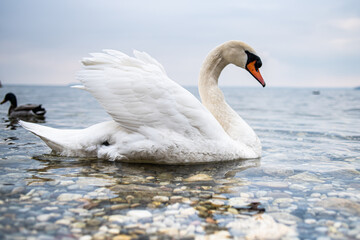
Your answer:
<point x="306" y="185"/>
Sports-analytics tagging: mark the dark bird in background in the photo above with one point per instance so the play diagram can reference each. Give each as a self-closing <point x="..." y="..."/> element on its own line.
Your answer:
<point x="23" y="111"/>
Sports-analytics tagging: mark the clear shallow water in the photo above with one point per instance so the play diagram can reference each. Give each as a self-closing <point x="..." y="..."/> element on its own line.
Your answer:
<point x="305" y="186"/>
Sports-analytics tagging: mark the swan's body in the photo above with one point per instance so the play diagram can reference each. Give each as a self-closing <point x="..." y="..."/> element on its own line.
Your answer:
<point x="155" y="119"/>
<point x="23" y="111"/>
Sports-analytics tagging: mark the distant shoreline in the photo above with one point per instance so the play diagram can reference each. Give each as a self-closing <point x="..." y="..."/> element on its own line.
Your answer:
<point x="191" y="86"/>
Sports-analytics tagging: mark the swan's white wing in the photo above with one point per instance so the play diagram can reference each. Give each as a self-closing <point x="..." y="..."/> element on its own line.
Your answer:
<point x="137" y="93"/>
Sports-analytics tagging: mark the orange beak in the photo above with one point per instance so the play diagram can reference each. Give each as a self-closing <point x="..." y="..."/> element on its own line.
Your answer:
<point x="255" y="73"/>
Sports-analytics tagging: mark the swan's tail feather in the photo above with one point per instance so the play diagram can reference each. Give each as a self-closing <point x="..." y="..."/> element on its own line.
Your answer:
<point x="56" y="139"/>
<point x="75" y="142"/>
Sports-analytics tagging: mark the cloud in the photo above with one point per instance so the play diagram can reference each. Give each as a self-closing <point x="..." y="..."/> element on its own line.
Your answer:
<point x="38" y="67"/>
<point x="348" y="24"/>
<point x="349" y="45"/>
<point x="44" y="41"/>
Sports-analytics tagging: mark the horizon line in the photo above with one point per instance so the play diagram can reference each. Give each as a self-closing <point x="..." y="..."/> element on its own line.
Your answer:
<point x="71" y="84"/>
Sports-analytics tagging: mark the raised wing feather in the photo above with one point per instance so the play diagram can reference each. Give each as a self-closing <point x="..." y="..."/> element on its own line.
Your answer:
<point x="137" y="93"/>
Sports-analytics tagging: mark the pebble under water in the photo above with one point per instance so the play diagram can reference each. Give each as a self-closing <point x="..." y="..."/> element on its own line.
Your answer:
<point x="306" y="185"/>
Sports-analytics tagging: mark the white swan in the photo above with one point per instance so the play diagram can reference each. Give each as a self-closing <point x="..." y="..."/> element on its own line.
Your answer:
<point x="155" y="120"/>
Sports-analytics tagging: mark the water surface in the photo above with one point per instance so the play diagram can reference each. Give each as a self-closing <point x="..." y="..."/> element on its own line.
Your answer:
<point x="306" y="185"/>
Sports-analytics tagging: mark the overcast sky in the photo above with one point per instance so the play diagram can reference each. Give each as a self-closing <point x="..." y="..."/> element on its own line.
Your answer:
<point x="301" y="43"/>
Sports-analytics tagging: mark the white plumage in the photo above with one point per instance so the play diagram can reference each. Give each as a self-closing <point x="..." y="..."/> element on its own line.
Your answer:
<point x="154" y="119"/>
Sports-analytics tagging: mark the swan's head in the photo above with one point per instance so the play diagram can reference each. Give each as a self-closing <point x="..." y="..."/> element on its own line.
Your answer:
<point x="244" y="56"/>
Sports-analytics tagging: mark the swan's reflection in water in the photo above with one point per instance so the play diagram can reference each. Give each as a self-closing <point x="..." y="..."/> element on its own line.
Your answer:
<point x="113" y="188"/>
<point x="143" y="181"/>
<point x="85" y="167"/>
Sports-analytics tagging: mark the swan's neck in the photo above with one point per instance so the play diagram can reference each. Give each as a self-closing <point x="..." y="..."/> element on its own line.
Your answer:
<point x="213" y="99"/>
<point x="211" y="69"/>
